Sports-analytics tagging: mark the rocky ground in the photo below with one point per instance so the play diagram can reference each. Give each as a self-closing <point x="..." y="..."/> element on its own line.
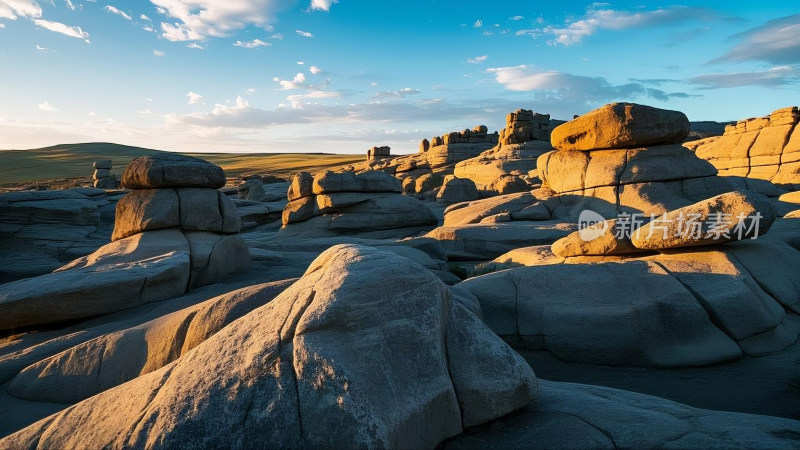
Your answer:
<point x="458" y="297"/>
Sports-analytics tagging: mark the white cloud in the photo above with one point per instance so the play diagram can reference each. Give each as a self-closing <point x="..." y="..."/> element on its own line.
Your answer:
<point x="597" y="19"/>
<point x="298" y="100"/>
<point x="158" y="53"/>
<point x="12" y="9"/>
<point x="40" y="48"/>
<point x="315" y="70"/>
<point x="114" y="10"/>
<point x="70" y="5"/>
<point x="478" y="23"/>
<point x="516" y="18"/>
<point x="400" y="93"/>
<point x="255" y="43"/>
<point x="199" y="19"/>
<point x="322" y="5"/>
<point x="775" y="77"/>
<point x="46" y="106"/>
<point x="2" y="25"/>
<point x="57" y="27"/>
<point x="252" y="91"/>
<point x="297" y="83"/>
<point x="300" y="63"/>
<point x="477" y="59"/>
<point x="776" y="42"/>
<point x="195" y="45"/>
<point x="144" y="17"/>
<point x="277" y="36"/>
<point x="304" y="33"/>
<point x="194" y="98"/>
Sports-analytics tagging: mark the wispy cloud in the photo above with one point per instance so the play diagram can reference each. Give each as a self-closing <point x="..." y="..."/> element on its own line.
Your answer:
<point x="194" y="98"/>
<point x="298" y="82"/>
<point x="70" y="5"/>
<point x="46" y="106"/>
<point x="400" y="93"/>
<point x="516" y="18"/>
<point x="158" y="53"/>
<point x="40" y="48"/>
<point x="114" y="10"/>
<point x="255" y="43"/>
<point x="304" y="33"/>
<point x="478" y="59"/>
<point x="322" y="5"/>
<point x="57" y="27"/>
<point x="776" y="42"/>
<point x="775" y="77"/>
<point x="196" y="46"/>
<point x="13" y="9"/>
<point x="573" y="88"/>
<point x="300" y="101"/>
<point x="478" y="23"/>
<point x="597" y="19"/>
<point x="315" y="70"/>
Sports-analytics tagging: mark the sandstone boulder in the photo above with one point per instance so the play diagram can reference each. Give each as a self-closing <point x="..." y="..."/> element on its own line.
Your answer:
<point x="455" y="190"/>
<point x="375" y="181"/>
<point x="163" y="170"/>
<point x="601" y="239"/>
<point x="724" y="218"/>
<point x="621" y="125"/>
<point x="302" y="186"/>
<point x="399" y="377"/>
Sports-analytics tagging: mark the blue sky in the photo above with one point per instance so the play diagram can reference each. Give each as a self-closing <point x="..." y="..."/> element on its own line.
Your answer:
<point x="341" y="76"/>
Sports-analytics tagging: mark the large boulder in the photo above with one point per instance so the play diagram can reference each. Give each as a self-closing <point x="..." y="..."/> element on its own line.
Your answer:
<point x="162" y="170"/>
<point x="300" y="372"/>
<point x="621" y="125"/>
<point x="189" y="209"/>
<point x="456" y="190"/>
<point x="728" y="217"/>
<point x="375" y="181"/>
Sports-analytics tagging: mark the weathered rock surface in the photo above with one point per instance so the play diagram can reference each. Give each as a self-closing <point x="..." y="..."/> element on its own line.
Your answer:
<point x="621" y="125"/>
<point x="521" y="206"/>
<point x="112" y="359"/>
<point x="163" y="170"/>
<point x="581" y="416"/>
<point x="765" y="148"/>
<point x="480" y="241"/>
<point x="724" y="218"/>
<point x="455" y="190"/>
<point x="189" y="209"/>
<point x="62" y="207"/>
<point x="376" y="181"/>
<point x="301" y="360"/>
<point x="601" y="239"/>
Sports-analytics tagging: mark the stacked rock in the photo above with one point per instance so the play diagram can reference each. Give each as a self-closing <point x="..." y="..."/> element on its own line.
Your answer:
<point x="378" y="153"/>
<point x="766" y="148"/>
<point x="524" y="125"/>
<point x="346" y="202"/>
<point x="171" y="191"/>
<point x="629" y="157"/>
<point x="103" y="179"/>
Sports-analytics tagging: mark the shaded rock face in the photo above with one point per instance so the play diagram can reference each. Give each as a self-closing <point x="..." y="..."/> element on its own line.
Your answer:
<point x="102" y="177"/>
<point x="492" y="165"/>
<point x="455" y="190"/>
<point x="347" y="203"/>
<point x="164" y="170"/>
<point x="766" y="148"/>
<point x="416" y="368"/>
<point x="621" y="125"/>
<point x="672" y="310"/>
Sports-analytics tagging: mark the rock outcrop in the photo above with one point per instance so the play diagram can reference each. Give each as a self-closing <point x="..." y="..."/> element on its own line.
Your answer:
<point x="524" y="125"/>
<point x="346" y="203"/>
<point x="167" y="239"/>
<point x="102" y="176"/>
<point x="376" y="153"/>
<point x="415" y="368"/>
<point x="766" y="148"/>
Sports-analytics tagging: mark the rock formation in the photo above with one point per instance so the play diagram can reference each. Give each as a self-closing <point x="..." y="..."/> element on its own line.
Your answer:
<point x="376" y="153"/>
<point x="102" y="176"/>
<point x="766" y="148"/>
<point x="348" y="203"/>
<point x="173" y="232"/>
<point x="524" y="125"/>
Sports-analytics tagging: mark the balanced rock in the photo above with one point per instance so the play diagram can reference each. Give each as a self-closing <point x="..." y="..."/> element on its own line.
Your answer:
<point x="162" y="170"/>
<point x="415" y="368"/>
<point x="621" y="125"/>
<point x="728" y="217"/>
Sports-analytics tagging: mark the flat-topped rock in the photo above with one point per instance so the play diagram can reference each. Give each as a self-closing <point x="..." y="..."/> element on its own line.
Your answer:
<point x="163" y="170"/>
<point x="372" y="181"/>
<point x="621" y="125"/>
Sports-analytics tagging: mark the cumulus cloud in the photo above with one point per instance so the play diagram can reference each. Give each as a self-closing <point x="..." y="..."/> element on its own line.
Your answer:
<point x="775" y="77"/>
<point x="304" y="33"/>
<point x="46" y="106"/>
<point x="158" y="53"/>
<point x="315" y="70"/>
<point x="597" y="19"/>
<point x="13" y="9"/>
<point x="194" y="98"/>
<point x="114" y="10"/>
<point x="298" y="82"/>
<point x="400" y="93"/>
<point x="322" y="5"/>
<point x="573" y="88"/>
<point x="255" y="43"/>
<point x="477" y="59"/>
<point x="57" y="27"/>
<point x="776" y="42"/>
<point x="199" y="19"/>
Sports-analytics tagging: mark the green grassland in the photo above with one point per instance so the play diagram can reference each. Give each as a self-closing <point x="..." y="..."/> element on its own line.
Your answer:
<point x="75" y="161"/>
